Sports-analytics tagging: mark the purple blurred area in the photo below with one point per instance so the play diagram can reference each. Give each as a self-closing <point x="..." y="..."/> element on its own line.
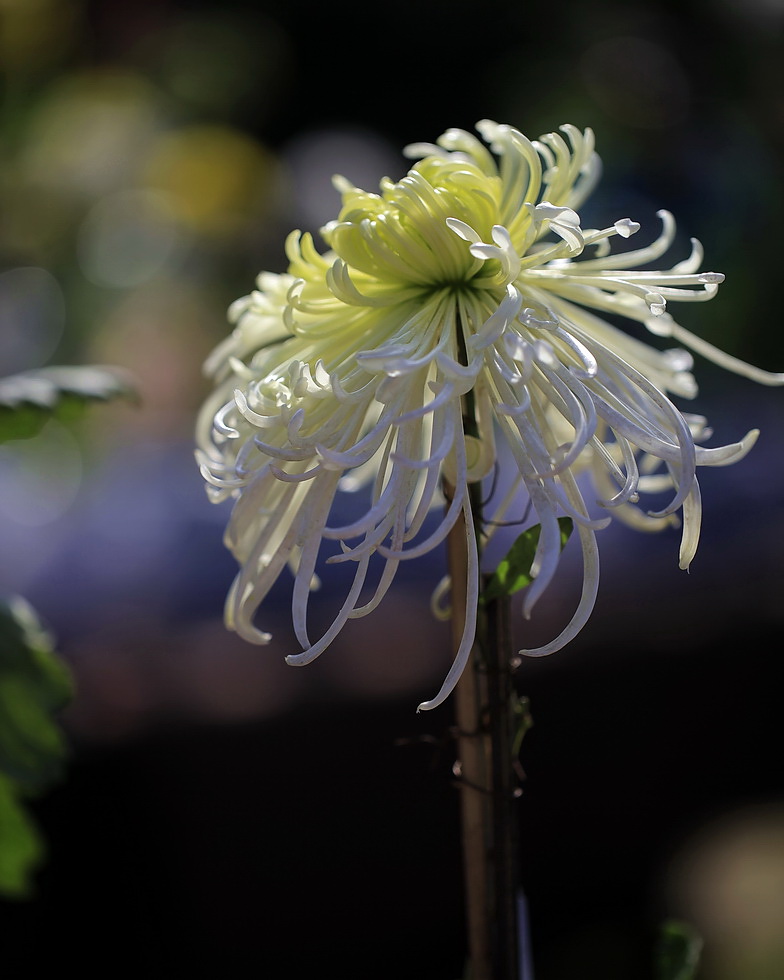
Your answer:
<point x="226" y="813"/>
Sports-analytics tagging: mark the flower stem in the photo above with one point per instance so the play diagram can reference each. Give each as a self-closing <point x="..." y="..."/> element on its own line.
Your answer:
<point x="472" y="753"/>
<point x="484" y="704"/>
<point x="503" y="853"/>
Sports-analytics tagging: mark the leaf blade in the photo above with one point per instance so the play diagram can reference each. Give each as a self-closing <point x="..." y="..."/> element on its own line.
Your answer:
<point x="21" y="846"/>
<point x="514" y="570"/>
<point x="28" y="400"/>
<point x="34" y="684"/>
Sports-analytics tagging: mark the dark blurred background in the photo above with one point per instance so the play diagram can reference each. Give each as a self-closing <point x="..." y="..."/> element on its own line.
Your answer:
<point x="225" y="813"/>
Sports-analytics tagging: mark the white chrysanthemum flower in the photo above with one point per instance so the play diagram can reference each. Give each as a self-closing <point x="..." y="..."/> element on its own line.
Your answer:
<point x="469" y="282"/>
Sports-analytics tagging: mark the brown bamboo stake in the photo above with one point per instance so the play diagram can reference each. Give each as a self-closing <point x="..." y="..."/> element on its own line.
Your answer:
<point x="484" y="721"/>
<point x="473" y="761"/>
<point x="502" y="801"/>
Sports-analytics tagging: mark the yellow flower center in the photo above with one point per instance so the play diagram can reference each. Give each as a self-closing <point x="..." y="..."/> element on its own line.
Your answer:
<point x="401" y="236"/>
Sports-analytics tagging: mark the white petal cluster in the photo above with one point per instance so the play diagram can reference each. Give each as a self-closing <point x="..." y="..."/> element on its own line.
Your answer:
<point x="470" y="281"/>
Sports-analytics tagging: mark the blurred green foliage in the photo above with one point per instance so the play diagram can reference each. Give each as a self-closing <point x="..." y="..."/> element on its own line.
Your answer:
<point x="34" y="682"/>
<point x="679" y="950"/>
<point x="29" y="400"/>
<point x="34" y="685"/>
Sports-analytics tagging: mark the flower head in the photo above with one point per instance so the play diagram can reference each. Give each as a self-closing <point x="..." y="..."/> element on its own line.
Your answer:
<point x="471" y="281"/>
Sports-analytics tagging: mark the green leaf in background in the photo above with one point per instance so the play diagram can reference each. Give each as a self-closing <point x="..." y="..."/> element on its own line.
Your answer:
<point x="679" y="949"/>
<point x="34" y="684"/>
<point x="514" y="571"/>
<point x="21" y="846"/>
<point x="30" y="399"/>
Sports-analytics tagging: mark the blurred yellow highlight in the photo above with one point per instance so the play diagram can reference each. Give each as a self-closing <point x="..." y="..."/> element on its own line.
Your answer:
<point x="90" y="133"/>
<point x="36" y="33"/>
<point x="729" y="881"/>
<point x="214" y="176"/>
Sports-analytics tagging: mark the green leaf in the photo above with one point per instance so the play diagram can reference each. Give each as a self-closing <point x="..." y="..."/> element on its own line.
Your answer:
<point x="29" y="400"/>
<point x="34" y="683"/>
<point x="679" y="949"/>
<point x="514" y="571"/>
<point x="21" y="846"/>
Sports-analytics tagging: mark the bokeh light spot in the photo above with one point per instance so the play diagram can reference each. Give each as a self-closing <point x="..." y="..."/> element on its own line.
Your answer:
<point x="127" y="238"/>
<point x="32" y="314"/>
<point x="216" y="177"/>
<point x="90" y="132"/>
<point x="40" y="477"/>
